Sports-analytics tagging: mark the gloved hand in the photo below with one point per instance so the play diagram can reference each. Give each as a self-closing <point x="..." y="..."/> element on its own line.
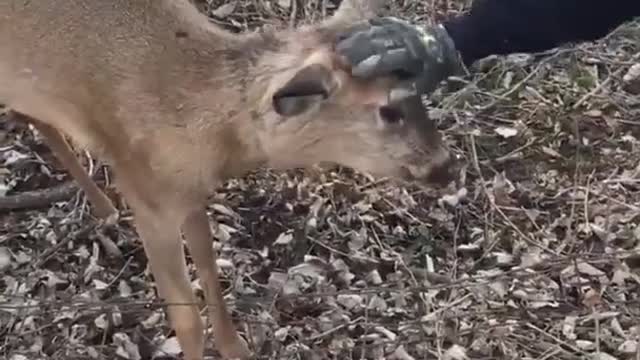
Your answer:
<point x="423" y="56"/>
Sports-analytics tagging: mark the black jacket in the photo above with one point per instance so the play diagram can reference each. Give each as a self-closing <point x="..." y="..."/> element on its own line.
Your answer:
<point x="498" y="27"/>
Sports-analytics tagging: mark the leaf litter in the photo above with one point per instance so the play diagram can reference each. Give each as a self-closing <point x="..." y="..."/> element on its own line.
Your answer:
<point x="537" y="256"/>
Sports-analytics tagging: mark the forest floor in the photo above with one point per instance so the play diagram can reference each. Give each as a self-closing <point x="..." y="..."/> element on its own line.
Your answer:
<point x="539" y="259"/>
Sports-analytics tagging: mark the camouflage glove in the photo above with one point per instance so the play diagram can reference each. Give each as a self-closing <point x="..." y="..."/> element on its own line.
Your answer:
<point x="421" y="55"/>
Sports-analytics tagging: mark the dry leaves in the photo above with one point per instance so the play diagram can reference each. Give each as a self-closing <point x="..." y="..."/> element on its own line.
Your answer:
<point x="537" y="256"/>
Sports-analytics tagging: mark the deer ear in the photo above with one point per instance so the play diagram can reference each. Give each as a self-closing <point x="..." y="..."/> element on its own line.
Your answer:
<point x="309" y="86"/>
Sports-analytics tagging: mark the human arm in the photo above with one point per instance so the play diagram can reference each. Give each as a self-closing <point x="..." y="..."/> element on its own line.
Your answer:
<point x="497" y="27"/>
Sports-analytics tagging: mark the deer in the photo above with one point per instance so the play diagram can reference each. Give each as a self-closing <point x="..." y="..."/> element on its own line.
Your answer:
<point x="175" y="105"/>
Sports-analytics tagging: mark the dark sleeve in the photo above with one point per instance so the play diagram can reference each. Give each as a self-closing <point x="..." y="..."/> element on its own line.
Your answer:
<point x="499" y="27"/>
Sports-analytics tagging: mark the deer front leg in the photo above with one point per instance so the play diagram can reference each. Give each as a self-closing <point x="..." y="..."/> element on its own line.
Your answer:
<point x="102" y="205"/>
<point x="198" y="236"/>
<point x="160" y="233"/>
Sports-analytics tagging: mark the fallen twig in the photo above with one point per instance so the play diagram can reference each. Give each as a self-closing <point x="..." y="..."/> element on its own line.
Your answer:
<point x="38" y="198"/>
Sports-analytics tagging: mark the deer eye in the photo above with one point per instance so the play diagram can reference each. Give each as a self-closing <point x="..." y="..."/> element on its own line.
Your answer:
<point x="391" y="115"/>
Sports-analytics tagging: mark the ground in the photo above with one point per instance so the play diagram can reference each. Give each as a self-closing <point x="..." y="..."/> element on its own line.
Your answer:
<point x="537" y="258"/>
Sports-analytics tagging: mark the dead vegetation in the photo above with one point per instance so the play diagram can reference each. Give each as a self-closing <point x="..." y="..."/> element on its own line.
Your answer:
<point x="537" y="257"/>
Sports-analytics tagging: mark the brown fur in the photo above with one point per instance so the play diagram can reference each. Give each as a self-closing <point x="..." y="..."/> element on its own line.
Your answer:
<point x="176" y="105"/>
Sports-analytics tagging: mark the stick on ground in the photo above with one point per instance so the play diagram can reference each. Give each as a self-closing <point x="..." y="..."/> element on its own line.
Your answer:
<point x="38" y="198"/>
